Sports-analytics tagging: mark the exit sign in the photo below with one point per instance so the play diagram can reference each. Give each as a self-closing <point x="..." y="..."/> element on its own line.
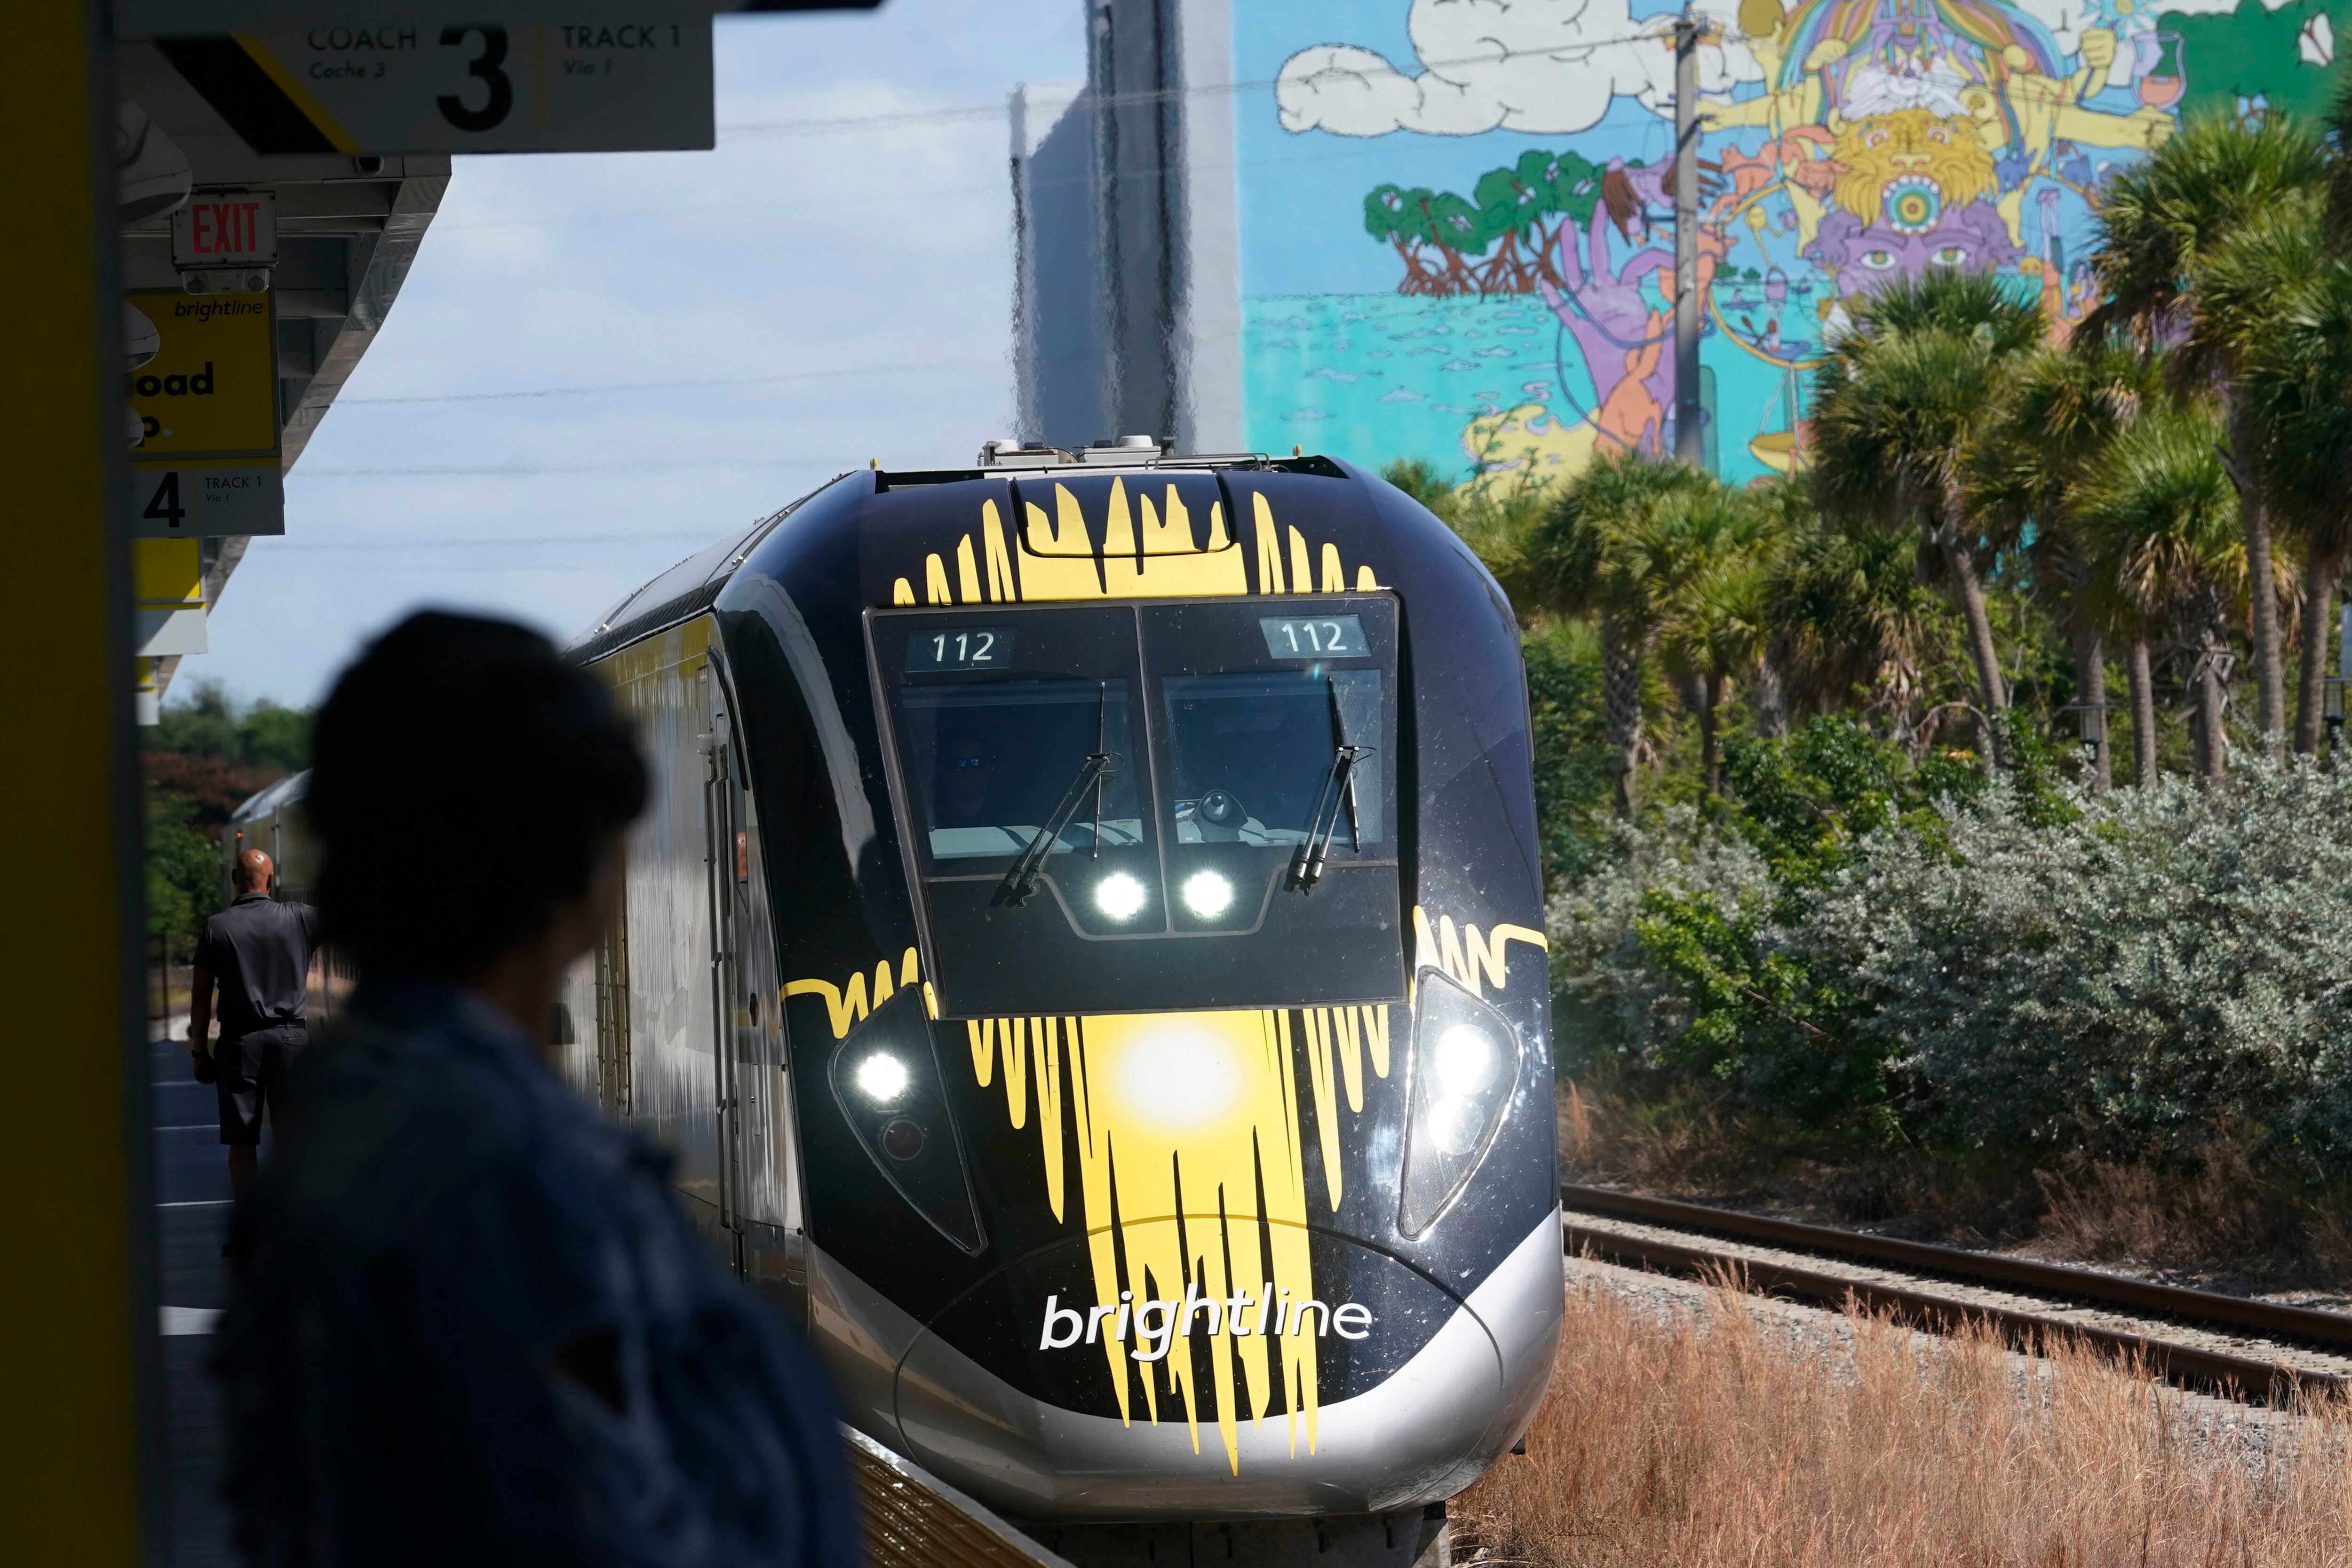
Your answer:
<point x="231" y="229"/>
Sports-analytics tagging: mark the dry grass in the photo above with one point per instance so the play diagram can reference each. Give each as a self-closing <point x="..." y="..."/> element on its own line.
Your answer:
<point x="2226" y="1221"/>
<point x="1679" y="1148"/>
<point x="1724" y="1438"/>
<point x="2223" y="1217"/>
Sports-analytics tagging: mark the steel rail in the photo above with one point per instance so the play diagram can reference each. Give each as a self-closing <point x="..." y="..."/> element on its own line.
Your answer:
<point x="2244" y="1376"/>
<point x="1978" y="1268"/>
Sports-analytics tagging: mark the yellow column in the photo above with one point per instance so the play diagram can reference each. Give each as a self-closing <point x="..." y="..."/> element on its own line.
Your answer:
<point x="73" y="1220"/>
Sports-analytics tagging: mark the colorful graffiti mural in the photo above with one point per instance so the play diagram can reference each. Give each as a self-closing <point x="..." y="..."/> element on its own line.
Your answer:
<point x="1456" y="226"/>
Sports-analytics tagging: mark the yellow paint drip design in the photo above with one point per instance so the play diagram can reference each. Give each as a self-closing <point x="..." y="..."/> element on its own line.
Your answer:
<point x="1180" y="1120"/>
<point x="1179" y="1124"/>
<point x="1464" y="956"/>
<point x="1152" y="547"/>
<point x="846" y="1006"/>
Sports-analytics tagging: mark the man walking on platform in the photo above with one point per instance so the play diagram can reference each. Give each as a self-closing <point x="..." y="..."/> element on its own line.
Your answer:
<point x="257" y="951"/>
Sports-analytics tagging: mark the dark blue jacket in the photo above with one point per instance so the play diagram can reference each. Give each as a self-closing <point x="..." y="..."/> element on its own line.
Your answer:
<point x="472" y="1326"/>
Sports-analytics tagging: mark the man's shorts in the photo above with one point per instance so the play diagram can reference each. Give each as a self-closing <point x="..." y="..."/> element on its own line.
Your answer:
<point x="253" y="1069"/>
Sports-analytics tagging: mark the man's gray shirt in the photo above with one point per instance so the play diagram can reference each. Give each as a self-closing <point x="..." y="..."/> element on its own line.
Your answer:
<point x="258" y="949"/>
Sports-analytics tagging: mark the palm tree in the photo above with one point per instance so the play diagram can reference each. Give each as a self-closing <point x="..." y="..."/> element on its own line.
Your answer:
<point x="1712" y="630"/>
<point x="2064" y="409"/>
<point x="1494" y="518"/>
<point x="1786" y="515"/>
<point x="1608" y="547"/>
<point x="2162" y="225"/>
<point x="2160" y="515"/>
<point x="1902" y="399"/>
<point x="1847" y="619"/>
<point x="2299" y="381"/>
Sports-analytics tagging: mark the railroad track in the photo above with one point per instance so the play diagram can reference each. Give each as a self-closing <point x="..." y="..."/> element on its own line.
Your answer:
<point x="2170" y="1330"/>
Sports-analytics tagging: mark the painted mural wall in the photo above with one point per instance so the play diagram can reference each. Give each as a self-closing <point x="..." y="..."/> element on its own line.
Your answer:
<point x="1455" y="215"/>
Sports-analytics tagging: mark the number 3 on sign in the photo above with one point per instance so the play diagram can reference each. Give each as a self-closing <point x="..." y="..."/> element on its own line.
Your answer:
<point x="484" y="67"/>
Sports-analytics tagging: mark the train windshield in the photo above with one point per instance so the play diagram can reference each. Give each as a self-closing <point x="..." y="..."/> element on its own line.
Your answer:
<point x="994" y="760"/>
<point x="1085" y="787"/>
<point x="1252" y="752"/>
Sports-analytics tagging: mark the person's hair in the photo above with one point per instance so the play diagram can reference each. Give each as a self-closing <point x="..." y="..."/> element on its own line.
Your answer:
<point x="251" y="873"/>
<point x="463" y="778"/>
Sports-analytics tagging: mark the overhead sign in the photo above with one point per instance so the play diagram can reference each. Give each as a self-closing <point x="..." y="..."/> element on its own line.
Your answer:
<point x="189" y="18"/>
<point x="211" y="387"/>
<point x="207" y="464"/>
<point x="234" y="228"/>
<point x="207" y="499"/>
<point x="600" y="77"/>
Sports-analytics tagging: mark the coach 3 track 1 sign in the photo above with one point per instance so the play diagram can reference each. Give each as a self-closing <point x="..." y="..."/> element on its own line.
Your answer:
<point x="402" y="76"/>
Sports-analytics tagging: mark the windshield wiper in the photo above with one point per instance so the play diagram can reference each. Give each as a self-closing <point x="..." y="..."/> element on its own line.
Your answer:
<point x="1094" y="774"/>
<point x="1337" y="795"/>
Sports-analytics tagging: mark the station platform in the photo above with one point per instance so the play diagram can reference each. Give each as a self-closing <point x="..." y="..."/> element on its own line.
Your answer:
<point x="191" y="1208"/>
<point x="911" y="1520"/>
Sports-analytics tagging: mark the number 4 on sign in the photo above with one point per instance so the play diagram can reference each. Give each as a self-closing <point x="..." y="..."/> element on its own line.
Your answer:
<point x="164" y="505"/>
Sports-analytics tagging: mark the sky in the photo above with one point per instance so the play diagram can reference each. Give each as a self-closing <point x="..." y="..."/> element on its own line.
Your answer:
<point x="847" y="294"/>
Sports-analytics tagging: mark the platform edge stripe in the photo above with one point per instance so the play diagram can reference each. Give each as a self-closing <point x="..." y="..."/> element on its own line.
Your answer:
<point x="967" y="1511"/>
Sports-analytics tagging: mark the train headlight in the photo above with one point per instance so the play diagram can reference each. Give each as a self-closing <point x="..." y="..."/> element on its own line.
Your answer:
<point x="1208" y="895"/>
<point x="1465" y="1065"/>
<point x="1466" y="1059"/>
<point x="882" y="1078"/>
<point x="888" y="1084"/>
<point x="1119" y="895"/>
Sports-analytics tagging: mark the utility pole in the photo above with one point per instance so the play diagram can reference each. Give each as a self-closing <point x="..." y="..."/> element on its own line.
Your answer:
<point x="1689" y="438"/>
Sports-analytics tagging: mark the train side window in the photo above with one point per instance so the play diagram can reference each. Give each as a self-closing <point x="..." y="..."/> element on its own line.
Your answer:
<point x="811" y="884"/>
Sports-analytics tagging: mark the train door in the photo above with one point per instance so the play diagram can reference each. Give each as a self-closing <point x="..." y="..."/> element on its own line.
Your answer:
<point x="751" y="1103"/>
<point x="611" y="980"/>
<point x="723" y="846"/>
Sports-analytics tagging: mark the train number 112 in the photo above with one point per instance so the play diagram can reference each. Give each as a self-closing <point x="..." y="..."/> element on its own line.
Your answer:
<point x="970" y="648"/>
<point x="1327" y="636"/>
<point x="973" y="648"/>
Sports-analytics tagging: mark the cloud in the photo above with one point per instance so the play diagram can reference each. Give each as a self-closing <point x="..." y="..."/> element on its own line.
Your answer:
<point x="1549" y="67"/>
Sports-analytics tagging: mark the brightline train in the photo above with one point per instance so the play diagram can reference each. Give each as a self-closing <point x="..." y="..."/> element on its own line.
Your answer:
<point x="1084" y="949"/>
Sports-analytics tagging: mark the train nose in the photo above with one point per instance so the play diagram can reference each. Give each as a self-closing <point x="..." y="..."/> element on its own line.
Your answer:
<point x="1264" y="1373"/>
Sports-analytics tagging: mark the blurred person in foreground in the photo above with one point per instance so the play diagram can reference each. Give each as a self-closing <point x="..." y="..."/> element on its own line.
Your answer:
<point x="470" y="1324"/>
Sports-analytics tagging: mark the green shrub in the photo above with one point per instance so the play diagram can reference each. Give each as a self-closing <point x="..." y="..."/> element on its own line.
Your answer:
<point x="1574" y="767"/>
<point x="183" y="871"/>
<point x="2129" y="979"/>
<point x="1875" y="951"/>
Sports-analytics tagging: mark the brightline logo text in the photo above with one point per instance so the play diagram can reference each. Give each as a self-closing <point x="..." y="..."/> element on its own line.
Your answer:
<point x="1159" y="1323"/>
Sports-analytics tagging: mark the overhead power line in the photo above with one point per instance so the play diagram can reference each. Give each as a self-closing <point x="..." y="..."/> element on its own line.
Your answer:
<point x="525" y="470"/>
<point x="827" y="127"/>
<point x="593" y="388"/>
<point x="673" y="536"/>
<point x="915" y="117"/>
<point x="886" y="122"/>
<point x="874" y="199"/>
